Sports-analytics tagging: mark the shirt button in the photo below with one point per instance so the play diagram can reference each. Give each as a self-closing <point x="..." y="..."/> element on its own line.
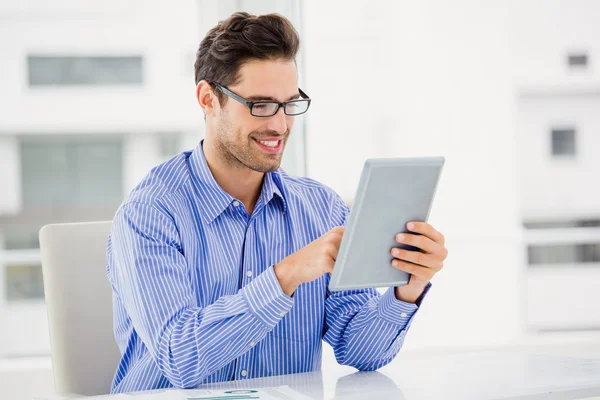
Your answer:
<point x="236" y="203"/>
<point x="249" y="274"/>
<point x="404" y="315"/>
<point x="252" y="344"/>
<point x="244" y="373"/>
<point x="282" y="314"/>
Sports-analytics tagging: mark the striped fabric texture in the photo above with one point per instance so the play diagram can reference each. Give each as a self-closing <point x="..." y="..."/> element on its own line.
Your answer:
<point x="195" y="296"/>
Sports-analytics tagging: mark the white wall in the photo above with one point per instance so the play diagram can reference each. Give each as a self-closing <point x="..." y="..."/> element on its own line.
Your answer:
<point x="10" y="176"/>
<point x="26" y="379"/>
<point x="553" y="95"/>
<point x="545" y="31"/>
<point x="101" y="28"/>
<point x="164" y="104"/>
<point x="563" y="298"/>
<point x="558" y="187"/>
<point x="27" y="329"/>
<point x="428" y="78"/>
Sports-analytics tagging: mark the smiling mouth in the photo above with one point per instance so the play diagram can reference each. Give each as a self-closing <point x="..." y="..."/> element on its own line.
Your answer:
<point x="270" y="146"/>
<point x="269" y="143"/>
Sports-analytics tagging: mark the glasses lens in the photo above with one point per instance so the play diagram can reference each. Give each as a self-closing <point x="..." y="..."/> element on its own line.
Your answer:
<point x="264" y="109"/>
<point x="296" y="107"/>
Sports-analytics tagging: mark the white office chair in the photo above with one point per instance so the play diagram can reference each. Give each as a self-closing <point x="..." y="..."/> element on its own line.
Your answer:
<point x="79" y="302"/>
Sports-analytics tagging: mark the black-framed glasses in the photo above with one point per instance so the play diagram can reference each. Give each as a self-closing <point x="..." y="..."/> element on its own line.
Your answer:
<point x="270" y="108"/>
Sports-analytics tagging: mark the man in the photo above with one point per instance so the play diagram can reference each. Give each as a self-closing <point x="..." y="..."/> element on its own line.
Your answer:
<point x="220" y="261"/>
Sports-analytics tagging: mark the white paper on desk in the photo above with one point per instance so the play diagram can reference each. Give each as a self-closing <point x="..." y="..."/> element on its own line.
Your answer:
<point x="272" y="393"/>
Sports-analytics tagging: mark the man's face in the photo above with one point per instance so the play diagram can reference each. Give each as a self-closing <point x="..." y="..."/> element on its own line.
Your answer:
<point x="239" y="134"/>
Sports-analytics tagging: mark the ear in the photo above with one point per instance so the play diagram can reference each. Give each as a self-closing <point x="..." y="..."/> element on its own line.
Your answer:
<point x="207" y="99"/>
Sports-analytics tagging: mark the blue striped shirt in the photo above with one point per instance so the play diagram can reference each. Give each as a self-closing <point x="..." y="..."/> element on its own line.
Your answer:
<point x="195" y="296"/>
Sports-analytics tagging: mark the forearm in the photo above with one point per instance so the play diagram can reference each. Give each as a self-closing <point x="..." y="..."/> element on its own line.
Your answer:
<point x="202" y="341"/>
<point x="194" y="348"/>
<point x="287" y="279"/>
<point x="367" y="330"/>
<point x="409" y="294"/>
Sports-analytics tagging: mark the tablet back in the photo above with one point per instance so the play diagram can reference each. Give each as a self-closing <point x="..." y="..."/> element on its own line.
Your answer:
<point x="391" y="193"/>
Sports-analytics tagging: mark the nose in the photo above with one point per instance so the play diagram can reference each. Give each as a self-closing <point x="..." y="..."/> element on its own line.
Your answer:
<point x="279" y="122"/>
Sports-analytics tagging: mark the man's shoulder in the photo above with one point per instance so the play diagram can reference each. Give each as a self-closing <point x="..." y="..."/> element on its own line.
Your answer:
<point x="164" y="180"/>
<point x="308" y="188"/>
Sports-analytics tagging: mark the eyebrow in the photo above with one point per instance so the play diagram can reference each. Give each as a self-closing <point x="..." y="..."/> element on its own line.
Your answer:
<point x="269" y="98"/>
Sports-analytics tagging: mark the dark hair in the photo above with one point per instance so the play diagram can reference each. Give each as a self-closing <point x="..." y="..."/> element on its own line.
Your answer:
<point x="240" y="38"/>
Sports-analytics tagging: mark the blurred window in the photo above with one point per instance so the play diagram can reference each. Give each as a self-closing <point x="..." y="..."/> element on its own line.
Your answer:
<point x="582" y="223"/>
<point x="169" y="145"/>
<point x="564" y="254"/>
<point x="563" y="242"/>
<point x="579" y="60"/>
<point x="23" y="282"/>
<point x="563" y="142"/>
<point x="64" y="179"/>
<point x="72" y="173"/>
<point x="62" y="70"/>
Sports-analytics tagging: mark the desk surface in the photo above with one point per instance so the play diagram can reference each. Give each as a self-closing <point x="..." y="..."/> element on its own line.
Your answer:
<point x="513" y="374"/>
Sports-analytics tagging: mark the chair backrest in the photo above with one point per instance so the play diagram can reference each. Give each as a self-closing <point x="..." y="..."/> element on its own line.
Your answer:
<point x="79" y="302"/>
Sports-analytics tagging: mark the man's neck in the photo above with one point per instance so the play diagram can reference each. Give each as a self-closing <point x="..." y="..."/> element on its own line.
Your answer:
<point x="241" y="182"/>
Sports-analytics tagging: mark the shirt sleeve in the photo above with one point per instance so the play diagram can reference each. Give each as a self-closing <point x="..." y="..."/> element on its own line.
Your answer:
<point x="366" y="329"/>
<point x="187" y="342"/>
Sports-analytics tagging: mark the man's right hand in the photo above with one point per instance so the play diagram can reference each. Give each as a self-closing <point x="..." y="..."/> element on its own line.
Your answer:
<point x="311" y="262"/>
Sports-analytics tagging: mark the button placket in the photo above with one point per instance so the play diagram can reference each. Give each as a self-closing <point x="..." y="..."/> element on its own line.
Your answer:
<point x="242" y="365"/>
<point x="247" y="255"/>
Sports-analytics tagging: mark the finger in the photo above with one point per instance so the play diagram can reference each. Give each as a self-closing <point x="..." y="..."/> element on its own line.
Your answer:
<point x="418" y="258"/>
<point x="332" y="246"/>
<point x="420" y="272"/>
<point x="426" y="229"/>
<point x="335" y="235"/>
<point x="338" y="230"/>
<point x="329" y="267"/>
<point x="420" y="241"/>
<point x="333" y="252"/>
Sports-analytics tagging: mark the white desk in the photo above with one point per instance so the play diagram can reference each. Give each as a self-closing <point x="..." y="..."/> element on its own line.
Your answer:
<point x="513" y="374"/>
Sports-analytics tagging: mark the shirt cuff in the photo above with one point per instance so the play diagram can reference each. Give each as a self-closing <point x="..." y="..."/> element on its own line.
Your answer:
<point x="396" y="311"/>
<point x="266" y="299"/>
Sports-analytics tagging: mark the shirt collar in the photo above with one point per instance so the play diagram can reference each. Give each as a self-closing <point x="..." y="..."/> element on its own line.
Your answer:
<point x="214" y="199"/>
<point x="273" y="186"/>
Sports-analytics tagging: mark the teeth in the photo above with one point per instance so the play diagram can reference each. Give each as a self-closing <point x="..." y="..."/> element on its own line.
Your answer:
<point x="270" y="143"/>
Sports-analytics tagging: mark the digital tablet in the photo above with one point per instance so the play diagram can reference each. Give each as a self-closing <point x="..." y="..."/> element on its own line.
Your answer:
<point x="391" y="192"/>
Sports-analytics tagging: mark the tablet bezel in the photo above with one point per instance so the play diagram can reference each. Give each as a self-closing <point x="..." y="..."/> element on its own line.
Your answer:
<point x="339" y="279"/>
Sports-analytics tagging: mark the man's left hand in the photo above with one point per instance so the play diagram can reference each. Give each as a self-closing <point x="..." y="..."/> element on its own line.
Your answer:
<point x="423" y="264"/>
